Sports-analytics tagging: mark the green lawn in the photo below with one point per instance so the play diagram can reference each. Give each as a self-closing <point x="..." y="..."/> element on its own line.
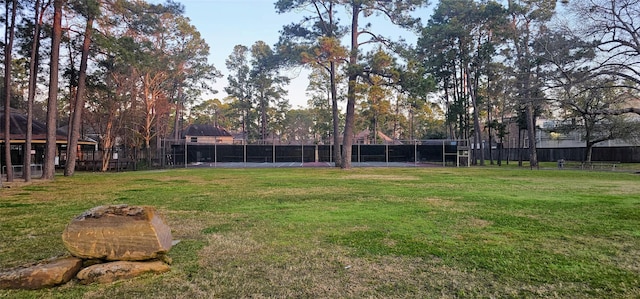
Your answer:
<point x="367" y="232"/>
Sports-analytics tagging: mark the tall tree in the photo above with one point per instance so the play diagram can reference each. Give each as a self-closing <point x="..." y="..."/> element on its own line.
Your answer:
<point x="415" y="87"/>
<point x="255" y="81"/>
<point x="319" y="37"/>
<point x="267" y="82"/>
<point x="500" y="106"/>
<point x="528" y="20"/>
<point x="328" y="54"/>
<point x="143" y="56"/>
<point x="491" y="21"/>
<point x="33" y="80"/>
<point x="320" y="107"/>
<point x="399" y="13"/>
<point x="190" y="71"/>
<point x="112" y="96"/>
<point x="11" y="9"/>
<point x="437" y="48"/>
<point x="239" y="85"/>
<point x="48" y="169"/>
<point x="458" y="44"/>
<point x="90" y="9"/>
<point x="173" y="71"/>
<point x="109" y="98"/>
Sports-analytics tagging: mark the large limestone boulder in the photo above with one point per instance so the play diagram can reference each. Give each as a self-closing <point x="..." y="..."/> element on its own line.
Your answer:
<point x="109" y="272"/>
<point x="118" y="233"/>
<point x="42" y="275"/>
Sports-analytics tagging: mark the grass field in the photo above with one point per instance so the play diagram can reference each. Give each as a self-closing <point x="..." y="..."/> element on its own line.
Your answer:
<point x="367" y="232"/>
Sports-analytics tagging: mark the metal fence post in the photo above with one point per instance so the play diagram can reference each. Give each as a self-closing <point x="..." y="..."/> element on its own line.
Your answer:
<point x="386" y="144"/>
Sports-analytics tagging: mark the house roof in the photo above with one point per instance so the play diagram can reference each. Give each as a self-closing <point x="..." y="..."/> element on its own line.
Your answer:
<point x="18" y="129"/>
<point x="366" y="134"/>
<point x="205" y="130"/>
<point x="363" y="134"/>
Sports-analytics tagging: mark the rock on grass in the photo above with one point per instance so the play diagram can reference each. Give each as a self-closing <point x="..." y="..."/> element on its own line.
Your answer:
<point x="41" y="275"/>
<point x="118" y="233"/>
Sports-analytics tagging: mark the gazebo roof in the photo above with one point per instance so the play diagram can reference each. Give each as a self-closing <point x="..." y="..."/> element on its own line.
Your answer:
<point x="18" y="129"/>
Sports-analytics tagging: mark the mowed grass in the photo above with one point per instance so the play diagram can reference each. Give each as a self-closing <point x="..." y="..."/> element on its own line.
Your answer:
<point x="367" y="232"/>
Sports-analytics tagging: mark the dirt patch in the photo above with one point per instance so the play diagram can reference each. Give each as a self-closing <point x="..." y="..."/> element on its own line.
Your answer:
<point x="477" y="223"/>
<point x="226" y="248"/>
<point x="359" y="228"/>
<point x="438" y="202"/>
<point x="18" y="184"/>
<point x="381" y="177"/>
<point x="303" y="191"/>
<point x="622" y="188"/>
<point x="189" y="225"/>
<point x="628" y="258"/>
<point x="15" y="184"/>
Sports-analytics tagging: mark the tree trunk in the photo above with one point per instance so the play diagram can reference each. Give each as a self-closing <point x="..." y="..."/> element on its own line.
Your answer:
<point x="489" y="122"/>
<point x="477" y="134"/>
<point x="520" y="146"/>
<point x="337" y="157"/>
<point x="396" y="118"/>
<point x="106" y="159"/>
<point x="526" y="95"/>
<point x="48" y="169"/>
<point x="349" y="124"/>
<point x="151" y="96"/>
<point x="588" y="152"/>
<point x="156" y="151"/>
<point x="72" y="143"/>
<point x="33" y="81"/>
<point x="177" y="127"/>
<point x="375" y="128"/>
<point x="351" y="91"/>
<point x="107" y="141"/>
<point x="9" y="37"/>
<point x="499" y="147"/>
<point x="531" y="132"/>
<point x="245" y="137"/>
<point x="450" y="124"/>
<point x="588" y="142"/>
<point x="263" y="118"/>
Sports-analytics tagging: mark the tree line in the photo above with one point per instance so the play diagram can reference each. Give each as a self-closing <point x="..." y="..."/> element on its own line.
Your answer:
<point x="125" y="69"/>
<point x="134" y="72"/>
<point x="477" y="68"/>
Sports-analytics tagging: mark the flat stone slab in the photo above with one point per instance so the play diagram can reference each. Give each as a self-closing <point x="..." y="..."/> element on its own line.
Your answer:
<point x="42" y="275"/>
<point x="118" y="233"/>
<point x="110" y="272"/>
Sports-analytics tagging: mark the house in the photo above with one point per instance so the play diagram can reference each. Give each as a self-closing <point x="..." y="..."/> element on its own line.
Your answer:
<point x="365" y="137"/>
<point x="207" y="134"/>
<point x="18" y="135"/>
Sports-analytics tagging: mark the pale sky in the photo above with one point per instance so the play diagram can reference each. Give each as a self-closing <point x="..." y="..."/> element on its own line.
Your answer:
<point x="226" y="23"/>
